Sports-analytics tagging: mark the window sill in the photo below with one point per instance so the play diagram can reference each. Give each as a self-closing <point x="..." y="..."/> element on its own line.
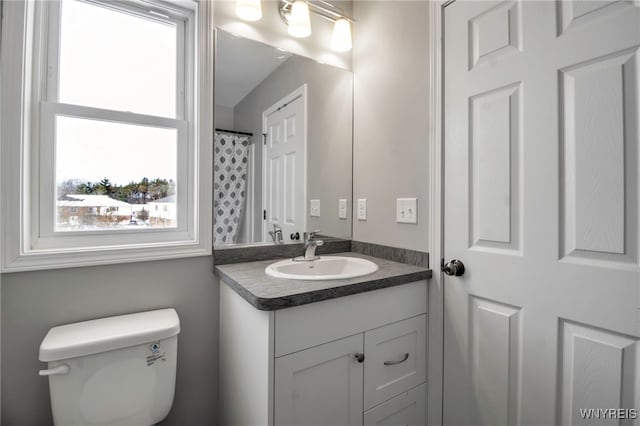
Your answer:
<point x="35" y="261"/>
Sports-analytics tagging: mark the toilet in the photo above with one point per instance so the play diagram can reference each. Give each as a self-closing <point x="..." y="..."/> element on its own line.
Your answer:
<point x="112" y="371"/>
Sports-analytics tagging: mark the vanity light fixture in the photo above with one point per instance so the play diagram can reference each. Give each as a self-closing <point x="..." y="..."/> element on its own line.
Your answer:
<point x="299" y="19"/>
<point x="297" y="15"/>
<point x="249" y="10"/>
<point x="341" y="37"/>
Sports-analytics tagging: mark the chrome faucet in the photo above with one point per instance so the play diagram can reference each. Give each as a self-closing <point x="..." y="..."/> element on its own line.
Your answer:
<point x="310" y="245"/>
<point x="276" y="234"/>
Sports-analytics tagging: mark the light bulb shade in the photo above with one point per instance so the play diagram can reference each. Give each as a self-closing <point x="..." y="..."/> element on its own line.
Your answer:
<point x="341" y="38"/>
<point x="249" y="10"/>
<point x="299" y="20"/>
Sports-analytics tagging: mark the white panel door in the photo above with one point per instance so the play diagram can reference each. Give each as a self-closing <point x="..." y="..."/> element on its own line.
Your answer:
<point x="321" y="385"/>
<point x="541" y="204"/>
<point x="284" y="175"/>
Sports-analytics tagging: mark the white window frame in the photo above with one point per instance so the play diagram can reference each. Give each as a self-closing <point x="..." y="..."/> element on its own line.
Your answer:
<point x="28" y="107"/>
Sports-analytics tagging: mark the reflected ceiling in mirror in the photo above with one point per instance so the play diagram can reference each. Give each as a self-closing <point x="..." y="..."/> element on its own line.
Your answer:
<point x="283" y="145"/>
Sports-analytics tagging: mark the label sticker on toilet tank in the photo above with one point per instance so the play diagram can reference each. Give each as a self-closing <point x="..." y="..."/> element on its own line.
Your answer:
<point x="155" y="354"/>
<point x="151" y="359"/>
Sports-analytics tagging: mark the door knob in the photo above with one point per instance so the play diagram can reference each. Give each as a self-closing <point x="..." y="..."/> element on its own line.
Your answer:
<point x="454" y="268"/>
<point x="359" y="357"/>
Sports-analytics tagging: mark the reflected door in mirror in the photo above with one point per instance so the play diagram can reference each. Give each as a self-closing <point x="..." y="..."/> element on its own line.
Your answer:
<point x="284" y="178"/>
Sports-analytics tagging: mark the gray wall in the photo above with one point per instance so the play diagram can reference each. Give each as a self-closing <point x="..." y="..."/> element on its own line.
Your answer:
<point x="223" y="117"/>
<point x="391" y="152"/>
<point x="329" y="135"/>
<point x="33" y="302"/>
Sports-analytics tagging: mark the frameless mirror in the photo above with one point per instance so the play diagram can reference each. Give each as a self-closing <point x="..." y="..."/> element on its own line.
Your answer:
<point x="283" y="145"/>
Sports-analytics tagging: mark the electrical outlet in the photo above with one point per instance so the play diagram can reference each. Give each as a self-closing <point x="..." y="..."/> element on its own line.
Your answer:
<point x="407" y="210"/>
<point x="342" y="208"/>
<point x="315" y="208"/>
<point x="362" y="209"/>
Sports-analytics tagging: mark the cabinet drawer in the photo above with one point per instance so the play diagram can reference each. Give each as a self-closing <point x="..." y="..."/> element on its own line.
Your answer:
<point x="302" y="327"/>
<point x="394" y="359"/>
<point x="407" y="409"/>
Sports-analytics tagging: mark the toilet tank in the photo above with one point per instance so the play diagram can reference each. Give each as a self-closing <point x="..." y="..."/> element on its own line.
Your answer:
<point x="112" y="371"/>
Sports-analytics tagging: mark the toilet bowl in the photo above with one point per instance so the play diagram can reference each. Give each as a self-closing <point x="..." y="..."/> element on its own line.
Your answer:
<point x="116" y="371"/>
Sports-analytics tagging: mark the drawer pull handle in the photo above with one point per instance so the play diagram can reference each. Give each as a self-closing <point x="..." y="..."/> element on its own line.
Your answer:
<point x="406" y="357"/>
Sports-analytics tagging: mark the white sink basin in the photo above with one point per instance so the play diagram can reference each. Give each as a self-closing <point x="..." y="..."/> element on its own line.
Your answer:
<point x="325" y="268"/>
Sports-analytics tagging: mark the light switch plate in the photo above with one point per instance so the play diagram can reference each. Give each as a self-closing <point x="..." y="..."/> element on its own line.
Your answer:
<point x="407" y="210"/>
<point x="362" y="209"/>
<point x="342" y="208"/>
<point x="314" y="208"/>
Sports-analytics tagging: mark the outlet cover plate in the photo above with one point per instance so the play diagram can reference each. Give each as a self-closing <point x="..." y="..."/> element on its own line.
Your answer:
<point x="407" y="210"/>
<point x="362" y="209"/>
<point x="342" y="208"/>
<point x="314" y="208"/>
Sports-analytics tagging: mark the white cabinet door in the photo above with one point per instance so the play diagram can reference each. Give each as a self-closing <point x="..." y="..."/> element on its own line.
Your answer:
<point x="321" y="385"/>
<point x="395" y="359"/>
<point x="408" y="409"/>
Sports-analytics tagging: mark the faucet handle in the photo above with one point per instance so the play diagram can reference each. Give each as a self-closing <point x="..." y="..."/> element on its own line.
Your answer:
<point x="308" y="236"/>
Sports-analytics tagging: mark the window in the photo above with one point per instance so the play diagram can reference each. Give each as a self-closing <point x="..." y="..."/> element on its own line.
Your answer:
<point x="116" y="124"/>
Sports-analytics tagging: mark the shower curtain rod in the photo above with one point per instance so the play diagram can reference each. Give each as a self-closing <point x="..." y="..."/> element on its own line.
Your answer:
<point x="234" y="132"/>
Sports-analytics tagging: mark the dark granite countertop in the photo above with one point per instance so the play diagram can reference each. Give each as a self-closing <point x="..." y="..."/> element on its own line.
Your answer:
<point x="269" y="294"/>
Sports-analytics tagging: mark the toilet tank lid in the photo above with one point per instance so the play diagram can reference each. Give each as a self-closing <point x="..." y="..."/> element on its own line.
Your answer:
<point x="107" y="334"/>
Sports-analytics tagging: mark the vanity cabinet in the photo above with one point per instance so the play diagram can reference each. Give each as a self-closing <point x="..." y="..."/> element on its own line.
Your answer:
<point x="353" y="360"/>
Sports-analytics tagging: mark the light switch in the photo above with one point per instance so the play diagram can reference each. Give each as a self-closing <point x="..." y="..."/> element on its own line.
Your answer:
<point x="342" y="208"/>
<point x="407" y="210"/>
<point x="362" y="209"/>
<point x="315" y="208"/>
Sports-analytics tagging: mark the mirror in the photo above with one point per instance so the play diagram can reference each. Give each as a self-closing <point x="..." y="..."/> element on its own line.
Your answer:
<point x="283" y="145"/>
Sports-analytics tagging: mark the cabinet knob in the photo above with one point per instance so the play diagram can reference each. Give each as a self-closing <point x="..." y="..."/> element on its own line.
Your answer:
<point x="359" y="357"/>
